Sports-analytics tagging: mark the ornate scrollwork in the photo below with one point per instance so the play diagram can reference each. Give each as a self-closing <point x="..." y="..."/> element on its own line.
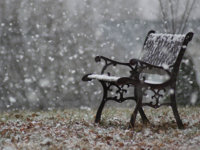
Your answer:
<point x="157" y="95"/>
<point x="120" y="92"/>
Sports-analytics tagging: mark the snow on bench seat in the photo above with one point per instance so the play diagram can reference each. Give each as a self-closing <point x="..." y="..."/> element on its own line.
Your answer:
<point x="103" y="77"/>
<point x="153" y="82"/>
<point x="155" y="78"/>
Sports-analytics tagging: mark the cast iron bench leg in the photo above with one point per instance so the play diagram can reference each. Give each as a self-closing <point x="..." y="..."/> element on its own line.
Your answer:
<point x="141" y="111"/>
<point x="137" y="108"/>
<point x="143" y="116"/>
<point x="175" y="111"/>
<point x="100" y="109"/>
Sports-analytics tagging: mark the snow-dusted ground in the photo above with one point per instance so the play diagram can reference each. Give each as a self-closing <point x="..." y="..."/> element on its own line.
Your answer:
<point x="74" y="129"/>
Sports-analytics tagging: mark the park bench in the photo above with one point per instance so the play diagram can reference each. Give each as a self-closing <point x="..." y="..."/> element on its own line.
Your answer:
<point x="161" y="55"/>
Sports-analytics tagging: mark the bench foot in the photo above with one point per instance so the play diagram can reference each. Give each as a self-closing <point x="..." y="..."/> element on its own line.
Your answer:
<point x="143" y="116"/>
<point x="175" y="111"/>
<point x="138" y="108"/>
<point x="99" y="111"/>
<point x="177" y="117"/>
<point x="133" y="118"/>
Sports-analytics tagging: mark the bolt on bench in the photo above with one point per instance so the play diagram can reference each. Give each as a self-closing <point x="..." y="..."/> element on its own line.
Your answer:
<point x="161" y="55"/>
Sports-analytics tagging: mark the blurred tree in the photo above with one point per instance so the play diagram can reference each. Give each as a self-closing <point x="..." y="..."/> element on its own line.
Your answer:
<point x="175" y="15"/>
<point x="46" y="46"/>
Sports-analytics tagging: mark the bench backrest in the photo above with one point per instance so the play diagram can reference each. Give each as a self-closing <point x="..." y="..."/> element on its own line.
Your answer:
<point x="164" y="49"/>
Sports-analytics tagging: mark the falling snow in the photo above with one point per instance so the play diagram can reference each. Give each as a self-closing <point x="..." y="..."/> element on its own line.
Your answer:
<point x="46" y="46"/>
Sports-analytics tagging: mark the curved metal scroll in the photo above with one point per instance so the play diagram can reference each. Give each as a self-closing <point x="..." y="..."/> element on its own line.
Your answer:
<point x="120" y="92"/>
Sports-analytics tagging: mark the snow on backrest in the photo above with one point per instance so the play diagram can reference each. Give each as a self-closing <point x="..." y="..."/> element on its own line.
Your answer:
<point x="162" y="49"/>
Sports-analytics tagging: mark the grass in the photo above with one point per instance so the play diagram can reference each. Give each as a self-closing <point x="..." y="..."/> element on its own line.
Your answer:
<point x="74" y="129"/>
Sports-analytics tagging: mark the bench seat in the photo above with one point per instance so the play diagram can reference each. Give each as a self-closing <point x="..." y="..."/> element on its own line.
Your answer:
<point x="151" y="78"/>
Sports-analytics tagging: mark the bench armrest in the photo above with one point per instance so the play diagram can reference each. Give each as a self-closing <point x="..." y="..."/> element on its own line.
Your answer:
<point x="109" y="62"/>
<point x="140" y="66"/>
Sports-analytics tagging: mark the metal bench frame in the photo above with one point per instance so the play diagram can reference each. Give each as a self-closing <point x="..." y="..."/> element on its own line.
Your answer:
<point x="140" y="86"/>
